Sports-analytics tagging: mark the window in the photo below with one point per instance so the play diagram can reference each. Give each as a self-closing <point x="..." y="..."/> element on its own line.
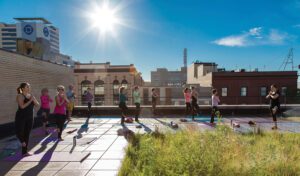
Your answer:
<point x="116" y="92"/>
<point x="99" y="92"/>
<point x="283" y="91"/>
<point x="9" y="38"/>
<point x="224" y="91"/>
<point x="243" y="91"/>
<point x="8" y="43"/>
<point x="124" y="84"/>
<point x="9" y="34"/>
<point x="263" y="91"/>
<point x="116" y="87"/>
<point x="8" y="30"/>
<point x="10" y="48"/>
<point x="84" y="86"/>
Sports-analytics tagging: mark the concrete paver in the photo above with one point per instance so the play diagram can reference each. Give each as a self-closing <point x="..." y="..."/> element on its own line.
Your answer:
<point x="98" y="150"/>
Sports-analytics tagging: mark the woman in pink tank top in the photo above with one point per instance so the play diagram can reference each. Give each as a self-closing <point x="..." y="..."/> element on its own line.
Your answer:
<point x="187" y="96"/>
<point x="60" y="109"/>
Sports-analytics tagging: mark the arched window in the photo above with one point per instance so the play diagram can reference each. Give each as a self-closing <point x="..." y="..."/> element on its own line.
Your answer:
<point x="84" y="86"/>
<point x="124" y="83"/>
<point x="99" y="92"/>
<point x="116" y="86"/>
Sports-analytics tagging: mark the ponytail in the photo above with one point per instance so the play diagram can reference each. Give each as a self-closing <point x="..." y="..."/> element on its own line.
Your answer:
<point x="21" y="87"/>
<point x="19" y="90"/>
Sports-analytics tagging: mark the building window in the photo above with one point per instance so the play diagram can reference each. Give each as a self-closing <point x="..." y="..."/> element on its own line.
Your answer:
<point x="243" y="91"/>
<point x="283" y="91"/>
<point x="10" y="48"/>
<point x="84" y="86"/>
<point x="9" y="30"/>
<point x="124" y="84"/>
<point x="9" y="38"/>
<point x="99" y="92"/>
<point x="8" y="43"/>
<point x="263" y="91"/>
<point x="116" y="86"/>
<point x="224" y="92"/>
<point x="9" y="34"/>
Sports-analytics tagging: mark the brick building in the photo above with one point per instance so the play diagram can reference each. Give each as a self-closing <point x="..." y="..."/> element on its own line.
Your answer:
<point x="16" y="68"/>
<point x="104" y="80"/>
<point x="252" y="87"/>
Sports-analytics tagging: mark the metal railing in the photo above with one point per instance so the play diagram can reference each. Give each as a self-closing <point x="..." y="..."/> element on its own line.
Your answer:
<point x="226" y="100"/>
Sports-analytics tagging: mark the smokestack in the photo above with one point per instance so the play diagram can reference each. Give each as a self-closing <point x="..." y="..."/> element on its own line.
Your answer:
<point x="185" y="57"/>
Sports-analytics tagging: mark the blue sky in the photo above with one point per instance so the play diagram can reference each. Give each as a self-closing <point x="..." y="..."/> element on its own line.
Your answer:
<point x="234" y="34"/>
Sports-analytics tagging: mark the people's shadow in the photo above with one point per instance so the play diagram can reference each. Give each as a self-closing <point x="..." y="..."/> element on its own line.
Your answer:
<point x="126" y="132"/>
<point x="147" y="129"/>
<point x="44" y="144"/>
<point x="163" y="123"/>
<point x="83" y="128"/>
<point x="42" y="163"/>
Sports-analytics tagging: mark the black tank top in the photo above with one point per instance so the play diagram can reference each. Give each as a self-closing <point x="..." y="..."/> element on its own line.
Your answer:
<point x="26" y="112"/>
<point x="275" y="101"/>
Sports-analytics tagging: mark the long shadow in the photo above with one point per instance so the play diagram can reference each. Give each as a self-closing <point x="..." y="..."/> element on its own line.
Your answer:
<point x="42" y="163"/>
<point x="147" y="129"/>
<point x="45" y="143"/>
<point x="9" y="164"/>
<point x="127" y="133"/>
<point x="163" y="123"/>
<point x="83" y="128"/>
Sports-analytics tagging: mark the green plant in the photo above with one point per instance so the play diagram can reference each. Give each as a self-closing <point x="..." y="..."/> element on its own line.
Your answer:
<point x="219" y="152"/>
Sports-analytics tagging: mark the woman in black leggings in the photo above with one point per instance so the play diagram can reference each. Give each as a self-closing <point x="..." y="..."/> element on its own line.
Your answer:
<point x="24" y="115"/>
<point x="274" y="96"/>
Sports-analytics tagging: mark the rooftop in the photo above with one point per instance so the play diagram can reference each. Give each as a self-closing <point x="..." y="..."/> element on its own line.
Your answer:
<point x="33" y="19"/>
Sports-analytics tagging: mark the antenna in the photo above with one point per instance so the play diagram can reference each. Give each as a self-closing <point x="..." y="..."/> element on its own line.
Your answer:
<point x="289" y="60"/>
<point x="185" y="57"/>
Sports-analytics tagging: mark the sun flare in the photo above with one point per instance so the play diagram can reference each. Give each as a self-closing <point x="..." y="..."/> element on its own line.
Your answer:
<point x="103" y="18"/>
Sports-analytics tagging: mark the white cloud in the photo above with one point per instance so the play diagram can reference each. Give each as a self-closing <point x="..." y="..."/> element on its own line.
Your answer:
<point x="254" y="36"/>
<point x="232" y="41"/>
<point x="255" y="31"/>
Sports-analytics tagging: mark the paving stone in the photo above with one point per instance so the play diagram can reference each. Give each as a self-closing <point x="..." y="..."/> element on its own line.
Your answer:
<point x="113" y="154"/>
<point x="85" y="165"/>
<point x="107" y="165"/>
<point x="30" y="173"/>
<point x="72" y="173"/>
<point x="96" y="154"/>
<point x="50" y="156"/>
<point x="39" y="166"/>
<point x="104" y="173"/>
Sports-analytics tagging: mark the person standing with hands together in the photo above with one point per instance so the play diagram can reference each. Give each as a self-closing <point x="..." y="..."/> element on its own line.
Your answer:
<point x="274" y="96"/>
<point x="24" y="115"/>
<point x="60" y="109"/>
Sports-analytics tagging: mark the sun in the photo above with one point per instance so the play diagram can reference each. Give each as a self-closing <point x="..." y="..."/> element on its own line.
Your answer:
<point x="103" y="18"/>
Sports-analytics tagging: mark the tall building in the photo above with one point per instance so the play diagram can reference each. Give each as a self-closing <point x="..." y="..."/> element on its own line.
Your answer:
<point x="35" y="37"/>
<point x="201" y="73"/>
<point x="8" y="35"/>
<point x="185" y="57"/>
<point x="54" y="39"/>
